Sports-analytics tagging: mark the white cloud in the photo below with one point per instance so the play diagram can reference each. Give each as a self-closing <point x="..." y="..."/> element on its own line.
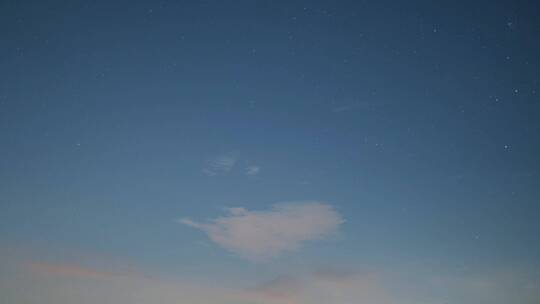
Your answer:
<point x="253" y="170"/>
<point x="259" y="235"/>
<point x="219" y="165"/>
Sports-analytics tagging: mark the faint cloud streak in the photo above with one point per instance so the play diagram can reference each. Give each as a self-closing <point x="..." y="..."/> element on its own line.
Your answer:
<point x="73" y="271"/>
<point x="220" y="165"/>
<point x="253" y="170"/>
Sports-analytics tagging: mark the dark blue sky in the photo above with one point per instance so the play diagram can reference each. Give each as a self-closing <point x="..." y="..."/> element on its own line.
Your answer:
<point x="406" y="134"/>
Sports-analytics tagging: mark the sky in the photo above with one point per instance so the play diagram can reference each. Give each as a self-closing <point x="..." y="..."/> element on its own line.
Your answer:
<point x="269" y="152"/>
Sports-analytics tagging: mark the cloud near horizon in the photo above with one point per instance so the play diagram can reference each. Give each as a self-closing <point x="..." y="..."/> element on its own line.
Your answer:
<point x="60" y="283"/>
<point x="73" y="283"/>
<point x="260" y="235"/>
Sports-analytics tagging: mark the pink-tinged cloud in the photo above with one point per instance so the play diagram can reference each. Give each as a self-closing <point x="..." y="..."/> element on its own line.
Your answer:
<point x="260" y="235"/>
<point x="74" y="271"/>
<point x="45" y="283"/>
<point x="72" y="283"/>
<point x="321" y="287"/>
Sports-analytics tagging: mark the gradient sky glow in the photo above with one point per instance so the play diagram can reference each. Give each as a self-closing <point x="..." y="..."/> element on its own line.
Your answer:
<point x="269" y="152"/>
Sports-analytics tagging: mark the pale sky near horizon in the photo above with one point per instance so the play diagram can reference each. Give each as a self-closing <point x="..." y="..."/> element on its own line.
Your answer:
<point x="269" y="152"/>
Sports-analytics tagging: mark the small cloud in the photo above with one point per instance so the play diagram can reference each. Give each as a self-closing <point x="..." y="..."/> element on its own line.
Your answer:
<point x="189" y="223"/>
<point x="260" y="235"/>
<point x="219" y="165"/>
<point x="253" y="170"/>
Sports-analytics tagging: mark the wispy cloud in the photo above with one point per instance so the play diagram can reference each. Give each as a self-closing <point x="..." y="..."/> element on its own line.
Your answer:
<point x="71" y="283"/>
<point x="253" y="170"/>
<point x="259" y="235"/>
<point x="220" y="165"/>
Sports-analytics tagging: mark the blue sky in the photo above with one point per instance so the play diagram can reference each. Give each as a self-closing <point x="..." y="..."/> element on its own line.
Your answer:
<point x="269" y="152"/>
